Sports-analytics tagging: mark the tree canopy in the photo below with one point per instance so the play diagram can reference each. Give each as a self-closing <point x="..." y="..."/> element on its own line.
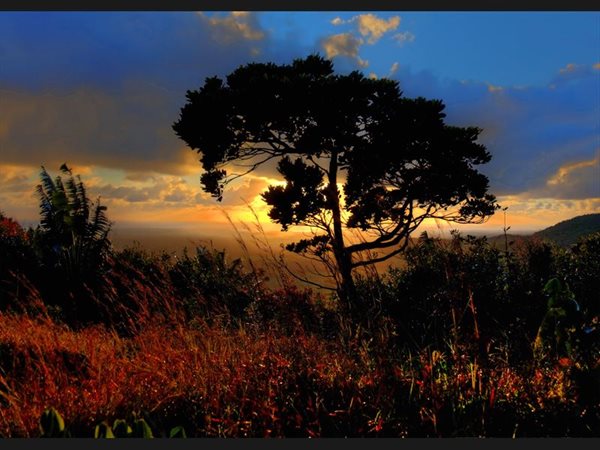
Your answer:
<point x="397" y="160"/>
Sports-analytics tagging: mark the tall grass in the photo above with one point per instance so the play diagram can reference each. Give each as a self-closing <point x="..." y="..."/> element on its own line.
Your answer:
<point x="445" y="347"/>
<point x="218" y="382"/>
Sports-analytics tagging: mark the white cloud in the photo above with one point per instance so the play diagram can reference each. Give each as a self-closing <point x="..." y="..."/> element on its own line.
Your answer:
<point x="406" y="36"/>
<point x="394" y="69"/>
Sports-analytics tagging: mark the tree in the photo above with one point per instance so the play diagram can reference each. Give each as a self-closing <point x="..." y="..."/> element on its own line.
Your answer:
<point x="397" y="161"/>
<point x="73" y="232"/>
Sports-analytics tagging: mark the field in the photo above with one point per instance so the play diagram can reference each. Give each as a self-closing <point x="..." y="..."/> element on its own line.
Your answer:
<point x="464" y="340"/>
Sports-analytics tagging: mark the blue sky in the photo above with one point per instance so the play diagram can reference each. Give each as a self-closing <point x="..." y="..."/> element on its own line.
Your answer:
<point x="101" y="90"/>
<point x="507" y="48"/>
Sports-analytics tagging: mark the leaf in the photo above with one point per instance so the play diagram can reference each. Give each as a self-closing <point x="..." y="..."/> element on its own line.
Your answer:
<point x="121" y="429"/>
<point x="51" y="423"/>
<point x="177" y="432"/>
<point x="103" y="431"/>
<point x="142" y="429"/>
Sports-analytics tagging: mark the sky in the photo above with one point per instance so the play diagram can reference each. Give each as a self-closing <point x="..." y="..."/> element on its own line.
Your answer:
<point x="100" y="91"/>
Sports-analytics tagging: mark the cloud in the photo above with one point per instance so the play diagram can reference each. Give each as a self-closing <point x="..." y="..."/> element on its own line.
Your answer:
<point x="15" y="178"/>
<point x="527" y="214"/>
<point x="570" y="68"/>
<point x="531" y="132"/>
<point x="157" y="190"/>
<point x="104" y="89"/>
<point x="574" y="180"/>
<point x="574" y="71"/>
<point x="59" y="103"/>
<point x="564" y="173"/>
<point x="401" y="38"/>
<point x="174" y="50"/>
<point x="344" y="44"/>
<point x="91" y="127"/>
<point x="17" y="190"/>
<point x="367" y="29"/>
<point x="373" y="28"/>
<point x="493" y="88"/>
<point x="234" y="26"/>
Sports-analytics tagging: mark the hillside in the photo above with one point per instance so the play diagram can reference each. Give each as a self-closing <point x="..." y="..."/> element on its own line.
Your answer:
<point x="567" y="232"/>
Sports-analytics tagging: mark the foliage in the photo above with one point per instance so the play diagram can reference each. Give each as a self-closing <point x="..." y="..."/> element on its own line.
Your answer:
<point x="225" y="383"/>
<point x="446" y="347"/>
<point x="71" y="244"/>
<point x="559" y="323"/>
<point x="209" y="283"/>
<point x="16" y="261"/>
<point x="73" y="232"/>
<point x="401" y="162"/>
<point x="52" y="425"/>
<point x="568" y="232"/>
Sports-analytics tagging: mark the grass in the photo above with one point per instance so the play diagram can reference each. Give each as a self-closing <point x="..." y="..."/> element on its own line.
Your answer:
<point x="202" y="342"/>
<point x="230" y="382"/>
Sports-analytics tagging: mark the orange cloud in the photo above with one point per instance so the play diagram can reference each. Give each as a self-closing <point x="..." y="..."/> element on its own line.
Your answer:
<point x="234" y="26"/>
<point x="566" y="172"/>
<point x="344" y="44"/>
<point x="372" y="27"/>
<point x="569" y="68"/>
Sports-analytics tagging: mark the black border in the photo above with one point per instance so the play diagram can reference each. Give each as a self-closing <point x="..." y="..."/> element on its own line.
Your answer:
<point x="296" y="443"/>
<point x="299" y="5"/>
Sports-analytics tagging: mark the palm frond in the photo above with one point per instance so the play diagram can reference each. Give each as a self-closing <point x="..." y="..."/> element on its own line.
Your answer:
<point x="83" y="198"/>
<point x="46" y="209"/>
<point x="46" y="182"/>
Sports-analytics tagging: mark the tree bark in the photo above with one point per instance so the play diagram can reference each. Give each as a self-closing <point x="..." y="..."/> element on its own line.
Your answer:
<point x="347" y="289"/>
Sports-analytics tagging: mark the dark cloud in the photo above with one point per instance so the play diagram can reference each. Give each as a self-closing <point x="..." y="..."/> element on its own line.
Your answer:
<point x="103" y="89"/>
<point x="91" y="127"/>
<point x="62" y="50"/>
<point x="531" y="131"/>
<point x="128" y="193"/>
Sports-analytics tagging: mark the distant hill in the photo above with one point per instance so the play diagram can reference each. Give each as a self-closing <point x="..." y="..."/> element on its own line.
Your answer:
<point x="499" y="242"/>
<point x="567" y="232"/>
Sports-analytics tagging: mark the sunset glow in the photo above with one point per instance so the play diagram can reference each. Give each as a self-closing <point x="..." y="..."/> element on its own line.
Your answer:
<point x="106" y="105"/>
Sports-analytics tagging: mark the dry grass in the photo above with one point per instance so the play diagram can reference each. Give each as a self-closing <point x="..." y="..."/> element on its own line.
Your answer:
<point x="219" y="382"/>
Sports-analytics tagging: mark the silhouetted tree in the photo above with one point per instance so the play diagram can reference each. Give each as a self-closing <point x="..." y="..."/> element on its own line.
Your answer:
<point x="73" y="232"/>
<point x="397" y="160"/>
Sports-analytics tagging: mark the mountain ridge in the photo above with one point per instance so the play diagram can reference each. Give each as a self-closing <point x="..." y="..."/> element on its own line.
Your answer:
<point x="567" y="232"/>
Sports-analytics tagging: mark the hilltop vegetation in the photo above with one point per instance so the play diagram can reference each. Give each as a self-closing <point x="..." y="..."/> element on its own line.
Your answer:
<point x="567" y="232"/>
<point x="463" y="340"/>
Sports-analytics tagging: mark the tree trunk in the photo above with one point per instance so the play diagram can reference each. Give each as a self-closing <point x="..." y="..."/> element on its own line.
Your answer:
<point x="347" y="289"/>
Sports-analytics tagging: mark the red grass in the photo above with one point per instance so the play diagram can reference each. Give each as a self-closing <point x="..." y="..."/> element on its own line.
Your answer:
<point x="235" y="383"/>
